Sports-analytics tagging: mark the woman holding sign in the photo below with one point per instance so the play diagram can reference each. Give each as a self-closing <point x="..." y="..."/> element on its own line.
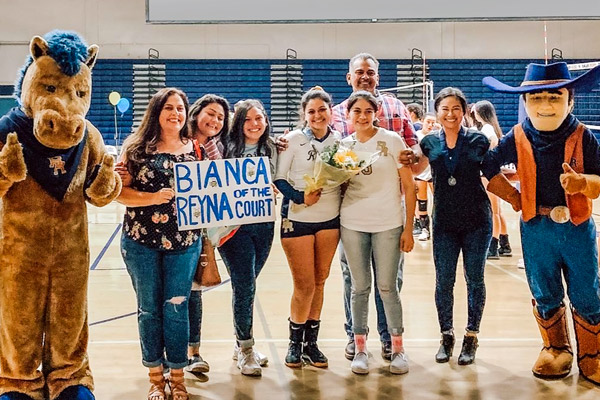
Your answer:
<point x="462" y="218"/>
<point x="246" y="252"/>
<point x="310" y="227"/>
<point x="160" y="259"/>
<point x="208" y="120"/>
<point x="372" y="225"/>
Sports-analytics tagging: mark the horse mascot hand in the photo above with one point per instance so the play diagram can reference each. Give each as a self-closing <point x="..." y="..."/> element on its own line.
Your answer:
<point x="52" y="161"/>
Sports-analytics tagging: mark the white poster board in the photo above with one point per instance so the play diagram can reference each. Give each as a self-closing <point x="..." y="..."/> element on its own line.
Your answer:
<point x="212" y="193"/>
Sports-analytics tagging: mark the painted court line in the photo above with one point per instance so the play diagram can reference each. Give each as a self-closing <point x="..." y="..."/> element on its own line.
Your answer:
<point x="498" y="267"/>
<point x="134" y="313"/>
<point x="283" y="382"/>
<point x="108" y="243"/>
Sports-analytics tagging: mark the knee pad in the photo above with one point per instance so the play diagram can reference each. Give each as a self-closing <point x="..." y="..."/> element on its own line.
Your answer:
<point x="422" y="205"/>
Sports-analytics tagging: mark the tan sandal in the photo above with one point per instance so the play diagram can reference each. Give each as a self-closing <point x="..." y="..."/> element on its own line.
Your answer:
<point x="177" y="385"/>
<point x="157" y="386"/>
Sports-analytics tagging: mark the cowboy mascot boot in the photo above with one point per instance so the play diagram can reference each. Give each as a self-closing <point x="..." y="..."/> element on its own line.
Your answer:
<point x="558" y="166"/>
<point x="556" y="357"/>
<point x="588" y="347"/>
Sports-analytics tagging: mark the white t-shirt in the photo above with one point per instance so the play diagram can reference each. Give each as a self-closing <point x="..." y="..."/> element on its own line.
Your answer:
<point x="373" y="202"/>
<point x="299" y="160"/>
<point x="489" y="132"/>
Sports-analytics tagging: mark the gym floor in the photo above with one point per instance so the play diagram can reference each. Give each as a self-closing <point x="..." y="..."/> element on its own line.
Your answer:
<point x="509" y="337"/>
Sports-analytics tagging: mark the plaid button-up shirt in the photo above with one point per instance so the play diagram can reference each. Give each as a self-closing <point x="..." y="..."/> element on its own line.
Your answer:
<point x="391" y="115"/>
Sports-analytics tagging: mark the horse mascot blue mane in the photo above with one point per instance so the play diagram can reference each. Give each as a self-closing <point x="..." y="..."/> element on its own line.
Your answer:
<point x="52" y="161"/>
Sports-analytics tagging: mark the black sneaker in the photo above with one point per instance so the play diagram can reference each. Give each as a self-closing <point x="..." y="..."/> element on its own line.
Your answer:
<point x="293" y="358"/>
<point x="312" y="355"/>
<point x="417" y="227"/>
<point x="350" y="349"/>
<point x="386" y="350"/>
<point x="504" y="249"/>
<point x="493" y="250"/>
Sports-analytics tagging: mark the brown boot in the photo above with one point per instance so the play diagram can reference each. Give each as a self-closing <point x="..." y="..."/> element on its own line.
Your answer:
<point x="556" y="358"/>
<point x="588" y="348"/>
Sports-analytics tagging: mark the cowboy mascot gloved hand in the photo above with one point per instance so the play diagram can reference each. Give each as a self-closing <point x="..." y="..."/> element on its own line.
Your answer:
<point x="558" y="163"/>
<point x="52" y="160"/>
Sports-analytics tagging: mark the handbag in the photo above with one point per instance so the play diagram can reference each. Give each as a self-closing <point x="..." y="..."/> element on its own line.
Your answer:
<point x="207" y="271"/>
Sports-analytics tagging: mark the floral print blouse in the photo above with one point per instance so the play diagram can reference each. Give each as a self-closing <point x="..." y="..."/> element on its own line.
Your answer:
<point x="155" y="226"/>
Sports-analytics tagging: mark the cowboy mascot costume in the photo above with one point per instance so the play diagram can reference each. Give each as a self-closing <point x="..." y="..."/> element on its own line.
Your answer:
<point x="558" y="163"/>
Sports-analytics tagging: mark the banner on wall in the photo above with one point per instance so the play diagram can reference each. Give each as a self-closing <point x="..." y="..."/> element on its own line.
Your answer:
<point x="212" y="193"/>
<point x="341" y="11"/>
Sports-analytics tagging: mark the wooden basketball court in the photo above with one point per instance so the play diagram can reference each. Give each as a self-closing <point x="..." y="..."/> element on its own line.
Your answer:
<point x="509" y="338"/>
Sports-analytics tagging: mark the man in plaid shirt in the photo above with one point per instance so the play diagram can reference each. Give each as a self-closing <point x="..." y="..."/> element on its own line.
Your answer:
<point x="392" y="114"/>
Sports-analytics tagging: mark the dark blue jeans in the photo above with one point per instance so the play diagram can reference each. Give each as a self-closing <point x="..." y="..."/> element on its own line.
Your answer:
<point x="551" y="250"/>
<point x="195" y="312"/>
<point x="244" y="256"/>
<point x="446" y="248"/>
<point x="162" y="280"/>
<point x="382" y="326"/>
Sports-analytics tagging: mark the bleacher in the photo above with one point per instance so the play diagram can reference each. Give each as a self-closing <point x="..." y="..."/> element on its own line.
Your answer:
<point x="243" y="79"/>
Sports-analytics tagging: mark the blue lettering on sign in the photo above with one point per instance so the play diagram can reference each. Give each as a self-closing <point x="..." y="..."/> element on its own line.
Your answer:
<point x="181" y="209"/>
<point x="261" y="171"/>
<point x="232" y="171"/>
<point x="212" y="173"/>
<point x="245" y="170"/>
<point x="184" y="182"/>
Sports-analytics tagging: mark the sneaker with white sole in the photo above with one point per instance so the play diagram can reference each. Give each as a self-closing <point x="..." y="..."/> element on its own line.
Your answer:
<point x="399" y="364"/>
<point x="197" y="364"/>
<point x="360" y="363"/>
<point x="261" y="359"/>
<point x="425" y="235"/>
<point x="247" y="363"/>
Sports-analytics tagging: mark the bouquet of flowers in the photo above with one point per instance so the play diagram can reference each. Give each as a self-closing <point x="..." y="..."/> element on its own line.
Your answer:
<point x="336" y="165"/>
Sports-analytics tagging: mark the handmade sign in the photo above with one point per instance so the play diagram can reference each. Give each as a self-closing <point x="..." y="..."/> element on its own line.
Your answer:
<point x="234" y="191"/>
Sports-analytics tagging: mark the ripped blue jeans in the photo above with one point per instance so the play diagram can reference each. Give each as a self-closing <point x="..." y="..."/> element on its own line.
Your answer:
<point x="162" y="280"/>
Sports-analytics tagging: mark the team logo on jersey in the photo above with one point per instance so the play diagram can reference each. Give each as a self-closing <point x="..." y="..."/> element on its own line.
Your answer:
<point x="382" y="146"/>
<point x="367" y="171"/>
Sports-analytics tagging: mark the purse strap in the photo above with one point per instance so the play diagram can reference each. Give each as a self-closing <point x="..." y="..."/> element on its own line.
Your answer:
<point x="198" y="150"/>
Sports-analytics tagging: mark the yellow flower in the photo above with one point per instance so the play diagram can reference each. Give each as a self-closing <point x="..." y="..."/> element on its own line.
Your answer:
<point x="346" y="157"/>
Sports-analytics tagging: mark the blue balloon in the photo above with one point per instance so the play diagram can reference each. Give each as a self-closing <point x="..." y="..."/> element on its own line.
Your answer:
<point x="123" y="105"/>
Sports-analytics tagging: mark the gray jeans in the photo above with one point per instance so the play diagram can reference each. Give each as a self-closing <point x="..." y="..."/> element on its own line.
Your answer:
<point x="385" y="248"/>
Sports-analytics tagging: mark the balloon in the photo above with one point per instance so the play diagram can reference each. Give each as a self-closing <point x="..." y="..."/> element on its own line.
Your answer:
<point x="113" y="98"/>
<point x="123" y="105"/>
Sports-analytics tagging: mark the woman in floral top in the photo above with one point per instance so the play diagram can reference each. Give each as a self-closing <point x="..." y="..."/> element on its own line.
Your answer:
<point x="160" y="259"/>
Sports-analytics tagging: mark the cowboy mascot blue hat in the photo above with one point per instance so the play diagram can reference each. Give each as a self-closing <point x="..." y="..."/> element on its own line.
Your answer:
<point x="540" y="77"/>
<point x="558" y="165"/>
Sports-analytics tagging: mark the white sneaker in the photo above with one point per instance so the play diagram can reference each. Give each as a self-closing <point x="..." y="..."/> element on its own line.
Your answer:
<point x="247" y="363"/>
<point x="360" y="363"/>
<point x="261" y="359"/>
<point x="197" y="364"/>
<point x="425" y="235"/>
<point x="399" y="364"/>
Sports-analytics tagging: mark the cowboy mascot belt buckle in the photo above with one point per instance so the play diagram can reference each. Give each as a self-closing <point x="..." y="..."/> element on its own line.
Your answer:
<point x="560" y="214"/>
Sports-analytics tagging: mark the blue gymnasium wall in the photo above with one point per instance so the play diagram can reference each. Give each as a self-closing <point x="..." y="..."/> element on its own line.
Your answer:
<point x="242" y="79"/>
